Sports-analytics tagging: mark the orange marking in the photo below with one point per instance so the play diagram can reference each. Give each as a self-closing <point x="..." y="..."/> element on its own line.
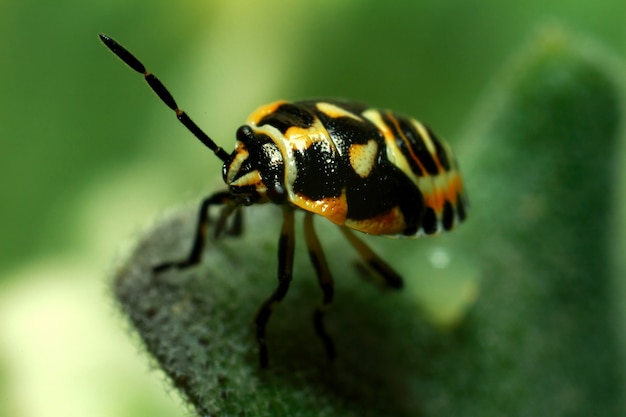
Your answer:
<point x="437" y="198"/>
<point x="409" y="146"/>
<point x="333" y="208"/>
<point x="263" y="111"/>
<point x="334" y="111"/>
<point x="422" y="131"/>
<point x="363" y="157"/>
<point x="389" y="223"/>
<point x="301" y="138"/>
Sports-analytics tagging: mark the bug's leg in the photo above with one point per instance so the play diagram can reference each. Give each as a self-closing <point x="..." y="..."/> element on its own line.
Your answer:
<point x="236" y="227"/>
<point x="220" y="224"/>
<point x="325" y="280"/>
<point x="221" y="197"/>
<point x="286" y="246"/>
<point x="391" y="277"/>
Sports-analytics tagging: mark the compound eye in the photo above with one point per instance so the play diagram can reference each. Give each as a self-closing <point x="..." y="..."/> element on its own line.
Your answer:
<point x="245" y="134"/>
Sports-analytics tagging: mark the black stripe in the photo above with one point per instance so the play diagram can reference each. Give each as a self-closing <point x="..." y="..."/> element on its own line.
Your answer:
<point x="402" y="144"/>
<point x="448" y="216"/>
<point x="320" y="172"/>
<point x="442" y="155"/>
<point x="460" y="207"/>
<point x="289" y="115"/>
<point x="418" y="146"/>
<point x="346" y="131"/>
<point x="429" y="222"/>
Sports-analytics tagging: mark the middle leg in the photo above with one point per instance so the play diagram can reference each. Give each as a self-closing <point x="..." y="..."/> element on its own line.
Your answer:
<point x="286" y="247"/>
<point x="325" y="280"/>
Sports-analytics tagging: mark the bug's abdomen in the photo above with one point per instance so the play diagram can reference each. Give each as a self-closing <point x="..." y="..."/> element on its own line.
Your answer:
<point x="430" y="165"/>
<point x="368" y="169"/>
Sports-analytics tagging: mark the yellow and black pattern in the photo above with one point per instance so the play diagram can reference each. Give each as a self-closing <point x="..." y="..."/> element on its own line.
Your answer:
<point x="370" y="170"/>
<point x="364" y="169"/>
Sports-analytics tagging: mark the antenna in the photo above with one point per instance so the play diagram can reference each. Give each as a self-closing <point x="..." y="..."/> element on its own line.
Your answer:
<point x="160" y="90"/>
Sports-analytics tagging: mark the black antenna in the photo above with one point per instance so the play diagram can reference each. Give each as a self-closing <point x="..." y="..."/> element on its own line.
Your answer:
<point x="160" y="90"/>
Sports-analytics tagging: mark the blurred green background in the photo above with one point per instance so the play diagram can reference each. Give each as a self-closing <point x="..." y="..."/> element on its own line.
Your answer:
<point x="89" y="157"/>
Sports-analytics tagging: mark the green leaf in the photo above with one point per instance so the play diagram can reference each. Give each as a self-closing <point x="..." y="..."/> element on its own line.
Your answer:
<point x="540" y="338"/>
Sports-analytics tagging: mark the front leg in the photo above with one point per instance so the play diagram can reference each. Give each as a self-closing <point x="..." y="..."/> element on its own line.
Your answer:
<point x="221" y="197"/>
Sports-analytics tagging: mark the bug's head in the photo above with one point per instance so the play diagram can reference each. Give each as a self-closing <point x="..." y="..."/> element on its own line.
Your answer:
<point x="255" y="171"/>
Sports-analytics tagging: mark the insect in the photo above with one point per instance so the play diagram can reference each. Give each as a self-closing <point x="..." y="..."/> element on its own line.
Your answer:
<point x="364" y="169"/>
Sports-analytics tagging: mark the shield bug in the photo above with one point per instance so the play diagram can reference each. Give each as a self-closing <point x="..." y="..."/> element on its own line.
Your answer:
<point x="364" y="169"/>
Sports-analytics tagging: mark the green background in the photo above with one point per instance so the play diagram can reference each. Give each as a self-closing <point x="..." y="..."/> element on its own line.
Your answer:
<point x="88" y="156"/>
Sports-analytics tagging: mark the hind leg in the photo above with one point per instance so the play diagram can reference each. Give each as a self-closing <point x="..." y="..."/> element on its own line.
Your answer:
<point x="391" y="277"/>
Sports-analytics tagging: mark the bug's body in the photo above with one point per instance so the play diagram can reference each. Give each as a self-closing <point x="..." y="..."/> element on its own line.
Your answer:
<point x="370" y="170"/>
<point x="363" y="169"/>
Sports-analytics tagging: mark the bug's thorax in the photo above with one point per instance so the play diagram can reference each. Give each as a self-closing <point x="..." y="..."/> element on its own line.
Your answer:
<point x="255" y="170"/>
